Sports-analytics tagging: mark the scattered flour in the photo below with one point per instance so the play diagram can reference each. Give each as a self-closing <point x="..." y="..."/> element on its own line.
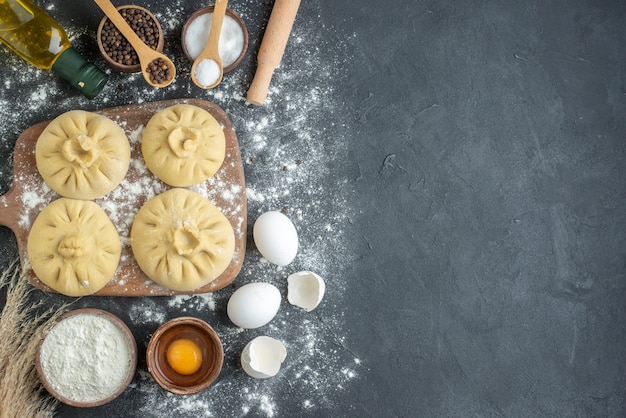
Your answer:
<point x="148" y="312"/>
<point x="288" y="164"/>
<point x="186" y="303"/>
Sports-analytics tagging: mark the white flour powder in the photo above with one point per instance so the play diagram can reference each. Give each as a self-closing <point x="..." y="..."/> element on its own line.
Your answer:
<point x="85" y="358"/>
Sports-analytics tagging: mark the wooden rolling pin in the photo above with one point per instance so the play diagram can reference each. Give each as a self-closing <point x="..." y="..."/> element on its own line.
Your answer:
<point x="272" y="48"/>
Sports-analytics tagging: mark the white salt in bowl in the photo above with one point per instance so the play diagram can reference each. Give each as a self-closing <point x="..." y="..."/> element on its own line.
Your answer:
<point x="87" y="358"/>
<point x="233" y="40"/>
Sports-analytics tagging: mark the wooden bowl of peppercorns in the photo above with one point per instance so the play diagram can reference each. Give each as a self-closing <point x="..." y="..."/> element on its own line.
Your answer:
<point x="116" y="50"/>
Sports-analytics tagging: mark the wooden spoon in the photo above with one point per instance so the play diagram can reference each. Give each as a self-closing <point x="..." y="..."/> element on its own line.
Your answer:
<point x="209" y="60"/>
<point x="157" y="69"/>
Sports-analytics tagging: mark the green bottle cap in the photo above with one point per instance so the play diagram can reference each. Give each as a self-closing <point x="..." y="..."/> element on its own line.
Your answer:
<point x="82" y="75"/>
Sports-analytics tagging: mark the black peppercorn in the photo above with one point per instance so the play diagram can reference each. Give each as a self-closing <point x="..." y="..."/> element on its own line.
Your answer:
<point x="160" y="71"/>
<point x="115" y="44"/>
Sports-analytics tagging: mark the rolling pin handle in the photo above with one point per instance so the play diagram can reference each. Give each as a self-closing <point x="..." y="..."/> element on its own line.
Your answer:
<point x="257" y="93"/>
<point x="272" y="48"/>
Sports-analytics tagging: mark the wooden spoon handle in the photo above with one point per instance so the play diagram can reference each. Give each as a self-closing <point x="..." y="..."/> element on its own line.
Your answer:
<point x="272" y="48"/>
<point x="216" y="29"/>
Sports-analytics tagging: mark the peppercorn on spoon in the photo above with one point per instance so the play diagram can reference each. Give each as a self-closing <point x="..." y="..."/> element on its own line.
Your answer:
<point x="157" y="69"/>
<point x="207" y="70"/>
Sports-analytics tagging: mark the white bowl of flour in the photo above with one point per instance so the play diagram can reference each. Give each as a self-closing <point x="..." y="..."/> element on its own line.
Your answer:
<point x="87" y="358"/>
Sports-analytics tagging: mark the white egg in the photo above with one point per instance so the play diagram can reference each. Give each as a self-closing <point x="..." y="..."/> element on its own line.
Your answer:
<point x="253" y="305"/>
<point x="262" y="357"/>
<point x="305" y="289"/>
<point x="276" y="238"/>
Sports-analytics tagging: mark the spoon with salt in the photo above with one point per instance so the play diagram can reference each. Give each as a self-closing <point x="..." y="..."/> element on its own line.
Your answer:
<point x="157" y="69"/>
<point x="207" y="71"/>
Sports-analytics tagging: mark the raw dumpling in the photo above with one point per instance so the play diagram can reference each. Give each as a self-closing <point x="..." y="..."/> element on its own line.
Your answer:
<point x="183" y="145"/>
<point x="73" y="247"/>
<point x="181" y="240"/>
<point x="82" y="155"/>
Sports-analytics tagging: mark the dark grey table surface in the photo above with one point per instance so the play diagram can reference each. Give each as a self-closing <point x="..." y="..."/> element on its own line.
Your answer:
<point x="456" y="172"/>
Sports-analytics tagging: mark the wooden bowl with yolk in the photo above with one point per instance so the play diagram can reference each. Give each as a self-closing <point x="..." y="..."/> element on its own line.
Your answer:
<point x="185" y="355"/>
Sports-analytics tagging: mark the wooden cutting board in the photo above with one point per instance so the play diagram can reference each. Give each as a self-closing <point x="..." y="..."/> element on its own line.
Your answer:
<point x="29" y="194"/>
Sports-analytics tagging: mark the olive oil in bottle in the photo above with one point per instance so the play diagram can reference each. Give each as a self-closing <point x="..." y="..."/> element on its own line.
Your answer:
<point x="38" y="39"/>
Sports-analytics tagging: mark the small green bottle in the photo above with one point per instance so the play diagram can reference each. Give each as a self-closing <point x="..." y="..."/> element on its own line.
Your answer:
<point x="36" y="37"/>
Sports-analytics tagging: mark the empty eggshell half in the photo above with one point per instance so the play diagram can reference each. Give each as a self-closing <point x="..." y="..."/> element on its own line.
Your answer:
<point x="305" y="289"/>
<point x="262" y="357"/>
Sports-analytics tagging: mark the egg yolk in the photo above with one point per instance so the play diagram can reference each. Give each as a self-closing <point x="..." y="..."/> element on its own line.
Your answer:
<point x="184" y="356"/>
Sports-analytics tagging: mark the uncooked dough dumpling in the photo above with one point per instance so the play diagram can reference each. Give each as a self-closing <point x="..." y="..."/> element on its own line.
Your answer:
<point x="82" y="155"/>
<point x="183" y="145"/>
<point x="73" y="247"/>
<point x="181" y="240"/>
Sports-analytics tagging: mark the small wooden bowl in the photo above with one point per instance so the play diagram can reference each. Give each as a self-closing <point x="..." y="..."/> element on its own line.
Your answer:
<point x="128" y="336"/>
<point x="119" y="66"/>
<point x="229" y="13"/>
<point x="210" y="346"/>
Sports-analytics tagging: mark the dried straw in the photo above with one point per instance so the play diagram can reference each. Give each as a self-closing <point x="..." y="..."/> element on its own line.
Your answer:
<point x="21" y="328"/>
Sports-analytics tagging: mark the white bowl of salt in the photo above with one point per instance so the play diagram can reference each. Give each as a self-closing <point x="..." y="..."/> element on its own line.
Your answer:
<point x="233" y="41"/>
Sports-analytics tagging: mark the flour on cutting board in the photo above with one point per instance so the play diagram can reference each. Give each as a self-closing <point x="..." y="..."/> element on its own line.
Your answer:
<point x="287" y="161"/>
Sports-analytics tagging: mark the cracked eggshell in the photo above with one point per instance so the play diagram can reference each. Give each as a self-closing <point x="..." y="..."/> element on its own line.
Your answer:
<point x="305" y="289"/>
<point x="253" y="305"/>
<point x="276" y="238"/>
<point x="262" y="357"/>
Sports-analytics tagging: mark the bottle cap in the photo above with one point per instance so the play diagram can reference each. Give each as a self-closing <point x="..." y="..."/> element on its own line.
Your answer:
<point x="82" y="75"/>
